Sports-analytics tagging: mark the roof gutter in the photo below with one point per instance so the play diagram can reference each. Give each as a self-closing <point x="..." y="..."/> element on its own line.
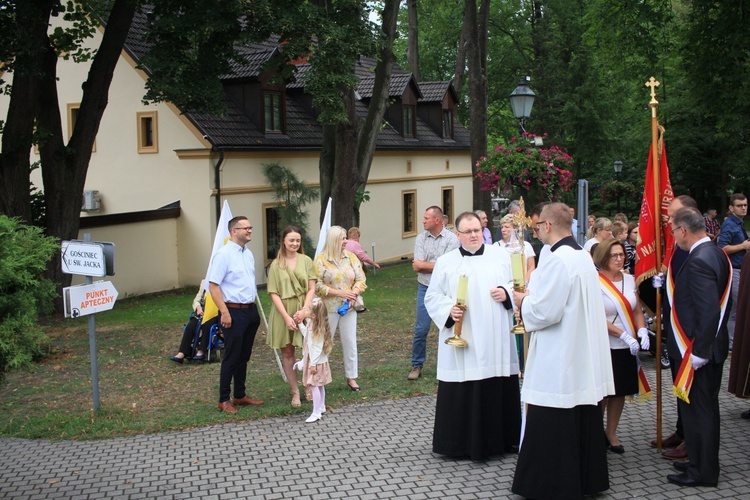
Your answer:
<point x="217" y="184"/>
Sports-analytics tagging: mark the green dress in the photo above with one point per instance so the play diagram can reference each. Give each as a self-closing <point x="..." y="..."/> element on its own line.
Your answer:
<point x="291" y="286"/>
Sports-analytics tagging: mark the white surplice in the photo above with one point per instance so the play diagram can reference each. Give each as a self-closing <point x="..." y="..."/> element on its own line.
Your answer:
<point x="569" y="362"/>
<point x="486" y="323"/>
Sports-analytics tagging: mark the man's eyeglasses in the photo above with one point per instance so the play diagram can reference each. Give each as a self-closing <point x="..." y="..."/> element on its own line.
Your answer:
<point x="538" y="224"/>
<point x="246" y="228"/>
<point x="741" y="206"/>
<point x="675" y="229"/>
<point x="470" y="231"/>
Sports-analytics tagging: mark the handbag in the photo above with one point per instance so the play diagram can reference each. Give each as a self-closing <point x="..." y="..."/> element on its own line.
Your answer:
<point x="359" y="304"/>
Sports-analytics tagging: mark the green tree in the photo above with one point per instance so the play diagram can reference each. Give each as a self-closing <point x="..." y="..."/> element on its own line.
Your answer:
<point x="713" y="117"/>
<point x="192" y="44"/>
<point x="24" y="292"/>
<point x="32" y="52"/>
<point x="293" y="196"/>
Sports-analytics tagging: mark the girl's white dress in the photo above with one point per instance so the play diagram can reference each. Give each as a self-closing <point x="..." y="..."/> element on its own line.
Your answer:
<point x="313" y="355"/>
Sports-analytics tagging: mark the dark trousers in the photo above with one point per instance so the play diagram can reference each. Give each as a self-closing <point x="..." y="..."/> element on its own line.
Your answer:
<point x="188" y="336"/>
<point x="238" y="346"/>
<point x="701" y="420"/>
<point x="674" y="367"/>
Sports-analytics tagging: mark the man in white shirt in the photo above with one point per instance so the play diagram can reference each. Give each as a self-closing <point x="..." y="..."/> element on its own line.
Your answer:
<point x="232" y="286"/>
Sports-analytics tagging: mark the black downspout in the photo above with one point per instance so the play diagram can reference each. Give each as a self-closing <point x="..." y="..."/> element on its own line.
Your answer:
<point x="217" y="183"/>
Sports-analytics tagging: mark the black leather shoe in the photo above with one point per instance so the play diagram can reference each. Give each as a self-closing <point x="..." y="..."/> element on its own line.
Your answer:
<point x="617" y="448"/>
<point x="684" y="480"/>
<point x="681" y="466"/>
<point x="745" y="414"/>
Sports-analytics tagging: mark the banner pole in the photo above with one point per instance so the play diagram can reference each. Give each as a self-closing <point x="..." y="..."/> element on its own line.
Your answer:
<point x="653" y="104"/>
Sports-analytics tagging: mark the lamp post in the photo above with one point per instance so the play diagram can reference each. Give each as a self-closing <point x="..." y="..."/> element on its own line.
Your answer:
<point x="617" y="166"/>
<point x="521" y="101"/>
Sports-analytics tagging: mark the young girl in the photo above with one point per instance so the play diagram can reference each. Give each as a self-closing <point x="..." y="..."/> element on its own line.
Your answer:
<point x="316" y="372"/>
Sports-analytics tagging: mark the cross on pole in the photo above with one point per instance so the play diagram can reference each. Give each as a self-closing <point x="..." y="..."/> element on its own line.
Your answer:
<point x="653" y="83"/>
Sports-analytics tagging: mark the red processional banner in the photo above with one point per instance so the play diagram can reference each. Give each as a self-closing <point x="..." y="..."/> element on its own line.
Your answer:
<point x="654" y="218"/>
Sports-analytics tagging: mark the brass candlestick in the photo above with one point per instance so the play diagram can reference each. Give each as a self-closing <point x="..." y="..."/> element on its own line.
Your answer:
<point x="518" y="269"/>
<point x="463" y="286"/>
<point x="519" y="284"/>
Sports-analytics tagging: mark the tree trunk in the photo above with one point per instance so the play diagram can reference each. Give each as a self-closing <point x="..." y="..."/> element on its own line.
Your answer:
<point x="346" y="179"/>
<point x="326" y="167"/>
<point x="380" y="94"/>
<point x="354" y="141"/>
<point x="32" y="19"/>
<point x="412" y="49"/>
<point x="458" y="79"/>
<point x="15" y="200"/>
<point x="477" y="59"/>
<point x="64" y="168"/>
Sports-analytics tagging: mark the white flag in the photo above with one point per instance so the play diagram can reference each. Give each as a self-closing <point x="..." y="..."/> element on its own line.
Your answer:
<point x="324" y="229"/>
<point x="222" y="235"/>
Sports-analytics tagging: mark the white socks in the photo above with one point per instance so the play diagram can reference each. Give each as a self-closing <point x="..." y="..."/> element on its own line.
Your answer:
<point x="319" y="403"/>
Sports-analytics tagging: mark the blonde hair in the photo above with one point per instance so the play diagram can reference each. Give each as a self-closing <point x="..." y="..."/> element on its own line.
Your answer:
<point x="332" y="250"/>
<point x="507" y="219"/>
<point x="319" y="325"/>
<point x="353" y="231"/>
<point x="601" y="223"/>
<point x="618" y="228"/>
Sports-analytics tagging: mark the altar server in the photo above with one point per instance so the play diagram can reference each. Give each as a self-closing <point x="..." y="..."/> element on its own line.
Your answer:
<point x="478" y="405"/>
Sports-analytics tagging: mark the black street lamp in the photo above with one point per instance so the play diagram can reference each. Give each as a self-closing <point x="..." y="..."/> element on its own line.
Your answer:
<point x="617" y="166"/>
<point x="521" y="101"/>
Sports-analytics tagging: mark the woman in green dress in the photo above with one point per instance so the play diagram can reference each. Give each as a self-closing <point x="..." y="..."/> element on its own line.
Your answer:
<point x="291" y="284"/>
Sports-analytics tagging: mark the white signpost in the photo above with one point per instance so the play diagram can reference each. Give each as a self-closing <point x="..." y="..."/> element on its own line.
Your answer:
<point x="88" y="258"/>
<point x="83" y="300"/>
<point x="85" y="259"/>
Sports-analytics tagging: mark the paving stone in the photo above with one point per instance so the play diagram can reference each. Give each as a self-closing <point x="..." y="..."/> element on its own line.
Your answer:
<point x="256" y="459"/>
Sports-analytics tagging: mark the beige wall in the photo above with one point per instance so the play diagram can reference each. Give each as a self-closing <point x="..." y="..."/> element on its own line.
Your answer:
<point x="166" y="254"/>
<point x="244" y="187"/>
<point x="145" y="256"/>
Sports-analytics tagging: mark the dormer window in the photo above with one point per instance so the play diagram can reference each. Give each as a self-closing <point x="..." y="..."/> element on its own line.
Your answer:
<point x="447" y="124"/>
<point x="410" y="125"/>
<point x="273" y="112"/>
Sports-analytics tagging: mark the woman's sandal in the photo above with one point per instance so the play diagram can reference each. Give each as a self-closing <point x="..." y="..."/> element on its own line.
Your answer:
<point x="308" y="394"/>
<point x="295" y="400"/>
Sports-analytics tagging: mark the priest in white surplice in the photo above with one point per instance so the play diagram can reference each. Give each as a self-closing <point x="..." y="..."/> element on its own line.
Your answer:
<point x="568" y="370"/>
<point x="478" y="404"/>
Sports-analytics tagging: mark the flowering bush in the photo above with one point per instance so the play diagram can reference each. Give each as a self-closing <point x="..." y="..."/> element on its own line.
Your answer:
<point x="524" y="166"/>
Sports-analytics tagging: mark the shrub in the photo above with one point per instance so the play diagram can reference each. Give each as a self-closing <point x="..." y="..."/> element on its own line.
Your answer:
<point x="24" y="291"/>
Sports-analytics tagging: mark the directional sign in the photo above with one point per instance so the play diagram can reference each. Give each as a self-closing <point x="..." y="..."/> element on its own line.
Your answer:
<point x="86" y="259"/>
<point x="82" y="300"/>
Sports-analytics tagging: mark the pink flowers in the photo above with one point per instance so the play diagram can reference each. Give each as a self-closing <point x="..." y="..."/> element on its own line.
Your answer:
<point x="544" y="169"/>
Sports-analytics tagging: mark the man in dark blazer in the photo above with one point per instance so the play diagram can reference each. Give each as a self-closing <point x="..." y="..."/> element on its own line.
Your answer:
<point x="677" y="439"/>
<point x="696" y="300"/>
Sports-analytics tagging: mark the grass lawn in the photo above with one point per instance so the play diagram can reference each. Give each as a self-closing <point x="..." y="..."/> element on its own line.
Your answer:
<point x="142" y="391"/>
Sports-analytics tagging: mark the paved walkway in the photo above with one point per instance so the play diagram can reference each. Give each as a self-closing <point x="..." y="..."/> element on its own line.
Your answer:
<point x="374" y="450"/>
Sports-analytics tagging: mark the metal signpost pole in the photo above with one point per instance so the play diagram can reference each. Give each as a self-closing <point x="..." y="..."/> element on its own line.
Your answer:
<point x="92" y="344"/>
